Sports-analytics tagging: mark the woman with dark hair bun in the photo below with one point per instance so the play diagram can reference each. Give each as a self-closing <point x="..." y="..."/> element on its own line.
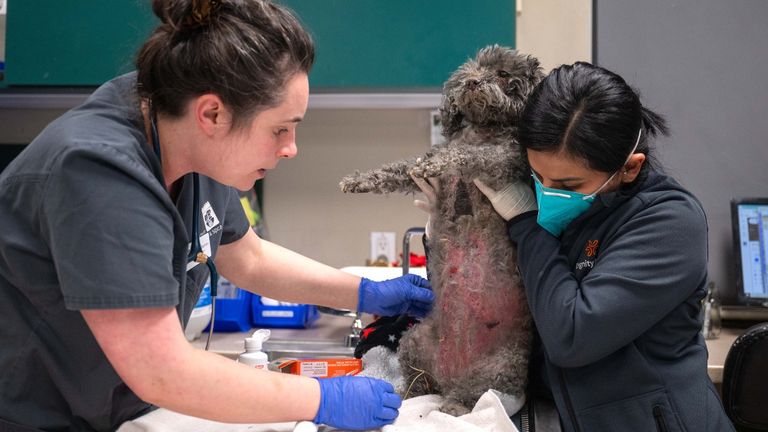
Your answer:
<point x="614" y="262"/>
<point x="117" y="213"/>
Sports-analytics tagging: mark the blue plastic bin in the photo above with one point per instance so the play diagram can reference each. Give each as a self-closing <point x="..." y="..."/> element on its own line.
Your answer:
<point x="282" y="316"/>
<point x="233" y="308"/>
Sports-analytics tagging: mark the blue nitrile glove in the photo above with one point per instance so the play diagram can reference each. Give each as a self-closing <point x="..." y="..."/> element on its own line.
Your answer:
<point x="409" y="294"/>
<point x="356" y="403"/>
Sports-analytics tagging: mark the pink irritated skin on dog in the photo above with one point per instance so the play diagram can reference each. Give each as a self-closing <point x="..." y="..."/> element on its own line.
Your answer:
<point x="478" y="306"/>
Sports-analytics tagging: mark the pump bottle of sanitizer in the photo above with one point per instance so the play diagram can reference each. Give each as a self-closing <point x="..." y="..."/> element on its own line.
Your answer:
<point x="253" y="356"/>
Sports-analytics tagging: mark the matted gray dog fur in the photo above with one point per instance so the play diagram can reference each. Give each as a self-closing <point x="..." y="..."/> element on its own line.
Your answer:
<point x="478" y="335"/>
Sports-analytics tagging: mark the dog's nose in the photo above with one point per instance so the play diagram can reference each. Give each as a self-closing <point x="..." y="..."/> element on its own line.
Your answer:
<point x="472" y="84"/>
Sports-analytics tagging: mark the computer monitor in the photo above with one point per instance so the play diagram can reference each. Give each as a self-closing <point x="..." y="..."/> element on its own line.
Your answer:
<point x="750" y="239"/>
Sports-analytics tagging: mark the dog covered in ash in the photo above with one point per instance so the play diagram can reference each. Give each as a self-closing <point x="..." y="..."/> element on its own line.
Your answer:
<point x="479" y="333"/>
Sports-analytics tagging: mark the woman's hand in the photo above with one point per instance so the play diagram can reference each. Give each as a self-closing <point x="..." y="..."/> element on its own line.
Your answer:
<point x="357" y="403"/>
<point x="429" y="187"/>
<point x="409" y="294"/>
<point x="511" y="200"/>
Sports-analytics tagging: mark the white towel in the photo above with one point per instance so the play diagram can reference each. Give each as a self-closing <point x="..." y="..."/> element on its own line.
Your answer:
<point x="163" y="420"/>
<point x="419" y="414"/>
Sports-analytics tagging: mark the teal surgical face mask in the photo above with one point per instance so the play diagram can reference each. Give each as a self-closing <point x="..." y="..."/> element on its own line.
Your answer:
<point x="558" y="208"/>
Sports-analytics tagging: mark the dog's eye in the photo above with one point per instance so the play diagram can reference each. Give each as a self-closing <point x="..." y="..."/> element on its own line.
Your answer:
<point x="503" y="74"/>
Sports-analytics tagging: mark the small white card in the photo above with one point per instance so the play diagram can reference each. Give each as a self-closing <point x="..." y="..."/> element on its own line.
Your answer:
<point x="436" y="128"/>
<point x="383" y="245"/>
<point x="205" y="245"/>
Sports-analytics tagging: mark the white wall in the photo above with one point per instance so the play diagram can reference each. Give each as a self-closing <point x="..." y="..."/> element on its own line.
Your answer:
<point x="555" y="31"/>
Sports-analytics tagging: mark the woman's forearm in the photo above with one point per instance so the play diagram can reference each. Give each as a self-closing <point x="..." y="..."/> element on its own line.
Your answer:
<point x="210" y="386"/>
<point x="273" y="271"/>
<point x="147" y="349"/>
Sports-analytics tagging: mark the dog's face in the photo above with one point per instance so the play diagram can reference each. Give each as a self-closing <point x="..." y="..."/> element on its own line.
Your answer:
<point x="490" y="90"/>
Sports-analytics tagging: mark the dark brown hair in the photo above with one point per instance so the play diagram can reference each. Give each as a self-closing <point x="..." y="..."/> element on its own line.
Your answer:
<point x="244" y="51"/>
<point x="592" y="114"/>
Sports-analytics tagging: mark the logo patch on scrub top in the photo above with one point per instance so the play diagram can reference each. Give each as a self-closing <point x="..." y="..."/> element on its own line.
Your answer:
<point x="209" y="216"/>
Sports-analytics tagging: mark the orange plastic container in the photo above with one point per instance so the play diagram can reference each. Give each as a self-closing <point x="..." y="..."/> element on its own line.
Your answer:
<point x="322" y="367"/>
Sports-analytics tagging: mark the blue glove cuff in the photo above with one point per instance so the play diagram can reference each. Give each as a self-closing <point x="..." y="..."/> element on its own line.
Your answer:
<point x="319" y="417"/>
<point x="360" y="293"/>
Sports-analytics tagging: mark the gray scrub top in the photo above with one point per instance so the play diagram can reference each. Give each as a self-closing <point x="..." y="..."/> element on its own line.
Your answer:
<point x="86" y="223"/>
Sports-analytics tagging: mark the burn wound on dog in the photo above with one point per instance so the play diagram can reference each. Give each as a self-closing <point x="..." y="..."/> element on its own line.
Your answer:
<point x="472" y="297"/>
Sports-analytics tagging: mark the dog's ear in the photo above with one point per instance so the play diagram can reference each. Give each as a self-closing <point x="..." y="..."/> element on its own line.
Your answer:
<point x="534" y="71"/>
<point x="450" y="116"/>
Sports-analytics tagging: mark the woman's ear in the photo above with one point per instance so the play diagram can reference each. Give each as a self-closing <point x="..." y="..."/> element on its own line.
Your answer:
<point x="631" y="169"/>
<point x="211" y="115"/>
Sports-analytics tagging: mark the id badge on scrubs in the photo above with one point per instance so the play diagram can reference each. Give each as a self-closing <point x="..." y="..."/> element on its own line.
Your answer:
<point x="205" y="245"/>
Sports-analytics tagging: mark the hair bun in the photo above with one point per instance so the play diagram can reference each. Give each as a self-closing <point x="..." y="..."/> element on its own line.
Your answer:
<point x="185" y="14"/>
<point x="202" y="10"/>
<point x="263" y="42"/>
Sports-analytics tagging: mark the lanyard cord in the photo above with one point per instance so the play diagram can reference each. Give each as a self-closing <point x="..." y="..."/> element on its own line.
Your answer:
<point x="196" y="251"/>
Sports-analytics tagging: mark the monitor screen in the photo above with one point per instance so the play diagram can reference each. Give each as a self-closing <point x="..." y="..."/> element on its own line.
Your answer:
<point x="750" y="234"/>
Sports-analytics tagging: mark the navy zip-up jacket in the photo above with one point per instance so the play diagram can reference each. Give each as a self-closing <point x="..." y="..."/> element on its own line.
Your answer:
<point x="616" y="303"/>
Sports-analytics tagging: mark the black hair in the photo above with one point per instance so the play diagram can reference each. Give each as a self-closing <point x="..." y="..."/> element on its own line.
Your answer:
<point x="591" y="114"/>
<point x="244" y="51"/>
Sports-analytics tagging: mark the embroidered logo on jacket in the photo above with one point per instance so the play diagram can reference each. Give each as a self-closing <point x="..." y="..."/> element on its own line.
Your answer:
<point x="591" y="248"/>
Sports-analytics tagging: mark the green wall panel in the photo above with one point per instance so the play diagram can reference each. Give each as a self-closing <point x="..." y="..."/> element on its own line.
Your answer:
<point x="397" y="43"/>
<point x="73" y="42"/>
<point x="384" y="44"/>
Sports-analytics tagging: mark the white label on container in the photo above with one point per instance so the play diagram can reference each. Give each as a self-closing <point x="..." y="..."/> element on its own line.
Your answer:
<point x="227" y="290"/>
<point x="277" y="313"/>
<point x="266" y="301"/>
<point x="200" y="311"/>
<point x="314" y="369"/>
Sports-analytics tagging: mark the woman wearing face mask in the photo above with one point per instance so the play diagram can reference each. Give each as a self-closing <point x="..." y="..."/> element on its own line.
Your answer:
<point x="614" y="262"/>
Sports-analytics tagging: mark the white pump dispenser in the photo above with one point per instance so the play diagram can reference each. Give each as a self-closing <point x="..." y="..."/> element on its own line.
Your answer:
<point x="253" y="356"/>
